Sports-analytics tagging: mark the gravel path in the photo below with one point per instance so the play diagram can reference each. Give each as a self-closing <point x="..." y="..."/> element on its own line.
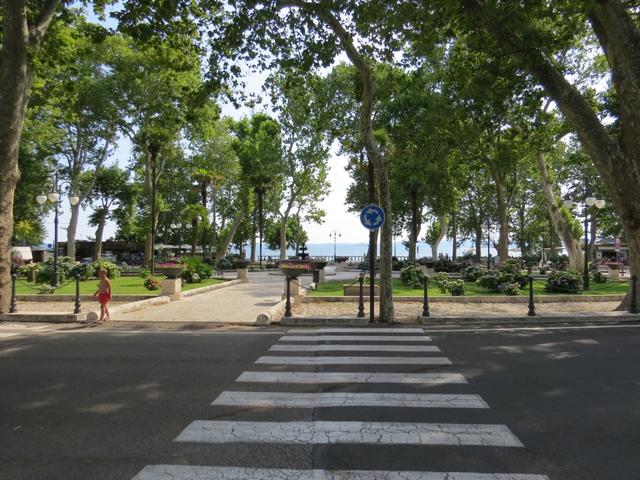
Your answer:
<point x="411" y="310"/>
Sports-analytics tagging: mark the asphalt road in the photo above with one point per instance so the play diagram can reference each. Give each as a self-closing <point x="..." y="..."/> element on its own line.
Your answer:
<point x="103" y="405"/>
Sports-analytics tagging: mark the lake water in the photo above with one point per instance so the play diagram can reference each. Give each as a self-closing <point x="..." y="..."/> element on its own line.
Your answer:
<point x="360" y="249"/>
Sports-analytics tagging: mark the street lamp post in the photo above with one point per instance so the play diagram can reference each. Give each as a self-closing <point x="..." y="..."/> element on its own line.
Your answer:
<point x="335" y="234"/>
<point x="54" y="197"/>
<point x="589" y="202"/>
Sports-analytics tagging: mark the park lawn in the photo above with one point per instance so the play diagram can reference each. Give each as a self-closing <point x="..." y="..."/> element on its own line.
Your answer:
<point x="119" y="286"/>
<point x="334" y="289"/>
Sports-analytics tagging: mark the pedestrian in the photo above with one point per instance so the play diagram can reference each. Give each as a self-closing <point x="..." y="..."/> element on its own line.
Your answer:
<point x="104" y="295"/>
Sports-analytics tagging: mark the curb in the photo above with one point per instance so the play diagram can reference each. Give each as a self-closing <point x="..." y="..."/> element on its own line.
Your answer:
<point x="542" y="320"/>
<point x="275" y="314"/>
<point x="43" y="318"/>
<point x="209" y="288"/>
<point x="320" y="321"/>
<point x="130" y="307"/>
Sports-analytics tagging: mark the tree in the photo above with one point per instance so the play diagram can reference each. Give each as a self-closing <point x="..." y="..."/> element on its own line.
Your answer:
<point x="305" y="148"/>
<point x="111" y="187"/>
<point x="24" y="25"/>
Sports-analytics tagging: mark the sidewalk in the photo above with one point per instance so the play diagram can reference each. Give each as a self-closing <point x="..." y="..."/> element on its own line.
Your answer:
<point x="236" y="304"/>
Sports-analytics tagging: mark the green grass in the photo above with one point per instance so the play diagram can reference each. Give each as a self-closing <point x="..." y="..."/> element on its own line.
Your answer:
<point x="334" y="289"/>
<point x="119" y="286"/>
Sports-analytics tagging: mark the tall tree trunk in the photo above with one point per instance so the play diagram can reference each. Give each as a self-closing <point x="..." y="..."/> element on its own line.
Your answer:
<point x="558" y="220"/>
<point x="478" y="242"/>
<point x="254" y="243"/>
<point x="99" y="233"/>
<point x="503" y="220"/>
<point x="283" y="239"/>
<point x="454" y="237"/>
<point x="194" y="236"/>
<point x="232" y="233"/>
<point x="71" y="231"/>
<point x="442" y="220"/>
<point x="416" y="223"/>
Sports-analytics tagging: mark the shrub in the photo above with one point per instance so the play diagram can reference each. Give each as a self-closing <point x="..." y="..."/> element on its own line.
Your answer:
<point x="567" y="281"/>
<point x="412" y="276"/>
<point x="427" y="262"/>
<point x="144" y="272"/>
<point x="599" y="277"/>
<point x="151" y="284"/>
<point x="224" y="264"/>
<point x="196" y="268"/>
<point x="510" y="288"/>
<point x="399" y="264"/>
<point x="113" y="271"/>
<point x="455" y="287"/>
<point x="441" y="281"/>
<point x="446" y="265"/>
<point x="44" y="271"/>
<point x="46" y="289"/>
<point x="86" y="271"/>
<point x="499" y="281"/>
<point x="472" y="274"/>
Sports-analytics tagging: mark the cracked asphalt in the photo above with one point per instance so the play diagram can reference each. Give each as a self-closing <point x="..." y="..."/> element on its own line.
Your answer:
<point x="105" y="404"/>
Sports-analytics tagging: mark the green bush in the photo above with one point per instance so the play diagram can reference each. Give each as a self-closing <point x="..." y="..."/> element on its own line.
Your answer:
<point x="46" y="289"/>
<point x="441" y="280"/>
<point x="473" y="274"/>
<point x="564" y="282"/>
<point x="499" y="281"/>
<point x="510" y="288"/>
<point x="113" y="271"/>
<point x="412" y="276"/>
<point x="44" y="271"/>
<point x="224" y="264"/>
<point x="399" y="265"/>
<point x="86" y="271"/>
<point x="196" y="269"/>
<point x="144" y="272"/>
<point x="599" y="277"/>
<point x="455" y="287"/>
<point x="446" y="265"/>
<point x="151" y="284"/>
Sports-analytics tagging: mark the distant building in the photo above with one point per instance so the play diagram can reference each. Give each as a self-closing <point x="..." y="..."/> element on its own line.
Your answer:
<point x="606" y="251"/>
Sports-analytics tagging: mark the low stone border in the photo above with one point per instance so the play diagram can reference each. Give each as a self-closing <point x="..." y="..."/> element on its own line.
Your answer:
<point x="481" y="299"/>
<point x="209" y="288"/>
<point x="613" y="317"/>
<point x="320" y="321"/>
<point x="130" y="307"/>
<point x="83" y="298"/>
<point x="43" y="318"/>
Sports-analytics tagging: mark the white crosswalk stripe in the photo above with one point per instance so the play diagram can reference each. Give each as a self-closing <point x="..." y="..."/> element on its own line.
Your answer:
<point x="353" y="348"/>
<point x="345" y="432"/>
<point x="351" y="377"/>
<point x="193" y="472"/>
<point x="355" y="338"/>
<point x="286" y="360"/>
<point x="372" y="331"/>
<point x="370" y="433"/>
<point x="349" y="399"/>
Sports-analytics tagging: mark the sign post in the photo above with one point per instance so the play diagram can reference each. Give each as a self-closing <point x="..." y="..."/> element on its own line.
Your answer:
<point x="372" y="218"/>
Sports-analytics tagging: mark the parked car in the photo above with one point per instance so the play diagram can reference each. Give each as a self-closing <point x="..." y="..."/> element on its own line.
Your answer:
<point x="108" y="256"/>
<point x="86" y="260"/>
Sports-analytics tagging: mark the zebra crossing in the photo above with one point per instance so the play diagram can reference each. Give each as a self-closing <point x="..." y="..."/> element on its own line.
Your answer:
<point x="319" y="364"/>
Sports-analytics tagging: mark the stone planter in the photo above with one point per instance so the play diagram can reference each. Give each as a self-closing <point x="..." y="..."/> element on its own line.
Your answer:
<point x="171" y="272"/>
<point x="293" y="272"/>
<point x="172" y="288"/>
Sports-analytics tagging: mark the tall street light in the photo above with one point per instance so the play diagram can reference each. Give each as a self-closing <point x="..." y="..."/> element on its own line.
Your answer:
<point x="335" y="234"/>
<point x="54" y="197"/>
<point x="589" y="202"/>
